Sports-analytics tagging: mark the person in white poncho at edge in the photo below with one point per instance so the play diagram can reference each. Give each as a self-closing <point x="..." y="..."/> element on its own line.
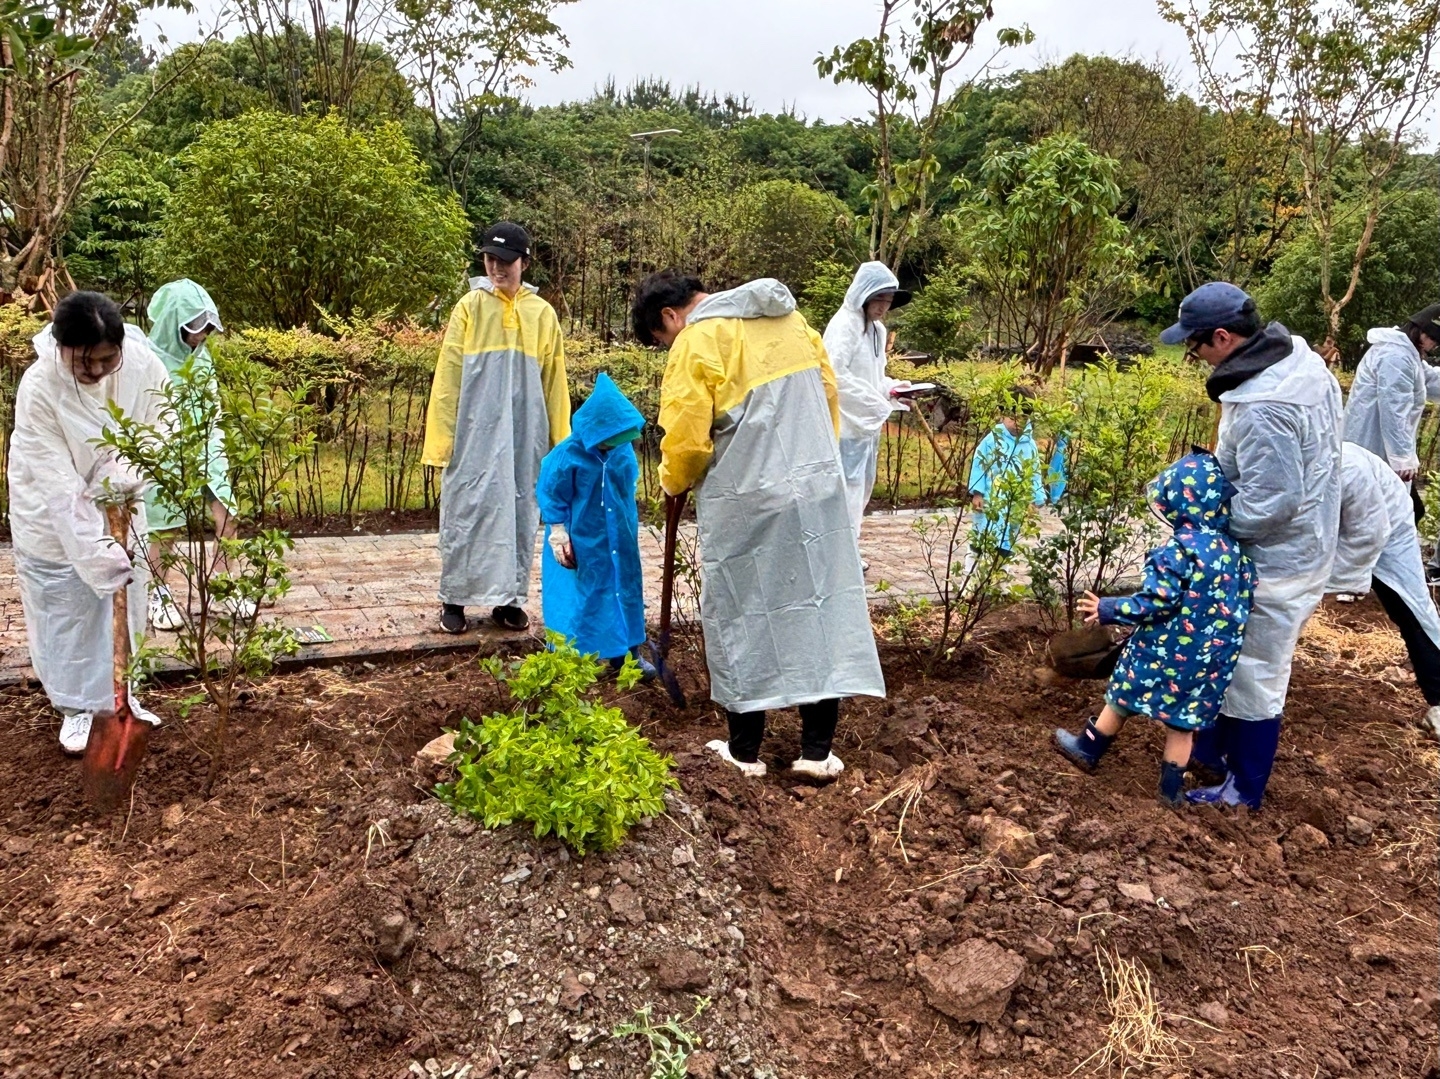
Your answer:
<point x="855" y="341"/>
<point x="1379" y="547"/>
<point x="67" y="566"/>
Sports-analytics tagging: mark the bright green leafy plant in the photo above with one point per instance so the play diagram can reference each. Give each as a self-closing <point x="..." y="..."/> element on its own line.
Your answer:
<point x="671" y="1043"/>
<point x="560" y="759"/>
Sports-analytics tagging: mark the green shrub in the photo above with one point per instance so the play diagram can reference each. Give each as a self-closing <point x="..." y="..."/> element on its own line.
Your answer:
<point x="938" y="321"/>
<point x="562" y="760"/>
<point x="288" y="218"/>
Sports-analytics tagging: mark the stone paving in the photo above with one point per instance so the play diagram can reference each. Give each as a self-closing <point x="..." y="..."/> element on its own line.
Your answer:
<point x="376" y="594"/>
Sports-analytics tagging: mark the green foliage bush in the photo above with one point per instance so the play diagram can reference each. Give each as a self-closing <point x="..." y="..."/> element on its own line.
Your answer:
<point x="938" y="320"/>
<point x="1399" y="276"/>
<point x="561" y="760"/>
<point x="287" y="218"/>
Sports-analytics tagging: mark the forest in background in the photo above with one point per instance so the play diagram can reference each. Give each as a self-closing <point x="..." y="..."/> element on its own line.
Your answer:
<point x="320" y="164"/>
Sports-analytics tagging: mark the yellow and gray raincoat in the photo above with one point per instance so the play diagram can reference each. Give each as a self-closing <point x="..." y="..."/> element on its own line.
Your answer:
<point x="498" y="403"/>
<point x="750" y="415"/>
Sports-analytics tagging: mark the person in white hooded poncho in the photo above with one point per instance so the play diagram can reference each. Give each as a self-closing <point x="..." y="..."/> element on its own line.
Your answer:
<point x="1392" y="384"/>
<point x="1279" y="444"/>
<point x="855" y="341"/>
<point x="1378" y="546"/>
<point x="750" y="414"/>
<point x="67" y="566"/>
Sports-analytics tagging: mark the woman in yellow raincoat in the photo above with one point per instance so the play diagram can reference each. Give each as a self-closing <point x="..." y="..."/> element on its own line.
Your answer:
<point x="499" y="402"/>
<point x="750" y="415"/>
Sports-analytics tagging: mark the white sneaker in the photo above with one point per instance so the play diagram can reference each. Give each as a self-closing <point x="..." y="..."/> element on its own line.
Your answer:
<point x="1431" y="724"/>
<point x="829" y="768"/>
<point x="239" y="609"/>
<point x="164" y="614"/>
<point x="75" y="732"/>
<point x="144" y="715"/>
<point x="754" y="769"/>
<point x="1346" y="597"/>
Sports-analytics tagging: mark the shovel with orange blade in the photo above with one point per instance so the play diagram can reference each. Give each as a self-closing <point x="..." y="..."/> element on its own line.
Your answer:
<point x="117" y="738"/>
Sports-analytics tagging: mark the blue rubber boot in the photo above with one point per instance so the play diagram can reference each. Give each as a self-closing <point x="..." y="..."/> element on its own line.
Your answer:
<point x="1251" y="757"/>
<point x="1210" y="745"/>
<point x="1172" y="784"/>
<point x="1084" y="749"/>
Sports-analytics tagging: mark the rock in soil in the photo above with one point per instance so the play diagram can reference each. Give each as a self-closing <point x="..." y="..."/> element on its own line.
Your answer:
<point x="971" y="982"/>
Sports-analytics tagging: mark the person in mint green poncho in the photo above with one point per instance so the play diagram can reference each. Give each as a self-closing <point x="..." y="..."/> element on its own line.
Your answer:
<point x="182" y="317"/>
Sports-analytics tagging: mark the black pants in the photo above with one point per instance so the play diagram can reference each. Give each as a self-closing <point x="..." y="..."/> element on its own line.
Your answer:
<point x="1424" y="656"/>
<point x="817" y="731"/>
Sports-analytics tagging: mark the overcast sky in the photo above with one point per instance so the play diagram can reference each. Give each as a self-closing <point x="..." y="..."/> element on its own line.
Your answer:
<point x="766" y="48"/>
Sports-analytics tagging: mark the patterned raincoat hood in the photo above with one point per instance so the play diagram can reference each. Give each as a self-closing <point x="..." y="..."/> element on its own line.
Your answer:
<point x="606" y="414"/>
<point x="1193" y="493"/>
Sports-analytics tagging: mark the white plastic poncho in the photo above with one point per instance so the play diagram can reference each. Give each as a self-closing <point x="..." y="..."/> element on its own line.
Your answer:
<point x="1280" y="437"/>
<point x="1378" y="537"/>
<point x="1388" y="396"/>
<point x="67" y="566"/>
<point x="749" y="411"/>
<point x="857" y="354"/>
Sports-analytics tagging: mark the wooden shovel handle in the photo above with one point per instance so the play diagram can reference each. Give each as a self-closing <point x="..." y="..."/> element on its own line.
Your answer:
<point x="117" y="519"/>
<point x="674" y="510"/>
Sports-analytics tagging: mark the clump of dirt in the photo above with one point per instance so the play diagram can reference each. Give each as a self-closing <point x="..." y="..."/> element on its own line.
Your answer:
<point x="946" y="907"/>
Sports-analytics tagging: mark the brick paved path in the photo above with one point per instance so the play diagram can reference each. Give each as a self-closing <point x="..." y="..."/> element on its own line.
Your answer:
<point x="376" y="595"/>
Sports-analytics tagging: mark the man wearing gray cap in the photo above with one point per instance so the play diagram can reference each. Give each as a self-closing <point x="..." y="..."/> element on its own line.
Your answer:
<point x="1279" y="444"/>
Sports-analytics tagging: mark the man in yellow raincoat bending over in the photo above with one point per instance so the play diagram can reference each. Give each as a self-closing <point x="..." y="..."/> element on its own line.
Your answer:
<point x="751" y="416"/>
<point x="499" y="402"/>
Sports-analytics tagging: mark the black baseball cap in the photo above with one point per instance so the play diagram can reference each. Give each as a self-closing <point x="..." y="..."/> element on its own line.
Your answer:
<point x="505" y="240"/>
<point x="1427" y="321"/>
<point x="1212" y="305"/>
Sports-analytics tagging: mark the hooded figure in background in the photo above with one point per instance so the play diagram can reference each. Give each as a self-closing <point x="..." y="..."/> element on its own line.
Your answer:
<point x="67" y="566"/>
<point x="498" y="403"/>
<point x="1391" y="386"/>
<point x="182" y="317"/>
<point x="855" y="341"/>
<point x="1280" y="436"/>
<point x="750" y="415"/>
<point x="591" y="583"/>
<point x="1379" y="547"/>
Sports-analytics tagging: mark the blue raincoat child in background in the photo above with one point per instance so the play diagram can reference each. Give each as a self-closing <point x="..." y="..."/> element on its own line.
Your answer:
<point x="590" y="578"/>
<point x="1191" y="610"/>
<point x="1008" y="450"/>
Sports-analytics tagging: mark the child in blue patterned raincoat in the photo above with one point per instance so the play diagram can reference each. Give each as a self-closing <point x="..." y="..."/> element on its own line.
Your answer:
<point x="1191" y="610"/>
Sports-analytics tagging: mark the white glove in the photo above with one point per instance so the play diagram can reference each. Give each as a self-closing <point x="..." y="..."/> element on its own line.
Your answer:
<point x="109" y="571"/>
<point x="560" y="545"/>
<point x="114" y="480"/>
<point x="896" y="402"/>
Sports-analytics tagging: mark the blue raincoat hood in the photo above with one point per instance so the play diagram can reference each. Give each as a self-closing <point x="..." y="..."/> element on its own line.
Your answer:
<point x="1194" y="493"/>
<point x="606" y="414"/>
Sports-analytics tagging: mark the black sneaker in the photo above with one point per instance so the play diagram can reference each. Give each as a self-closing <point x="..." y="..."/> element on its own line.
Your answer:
<point x="511" y="618"/>
<point x="452" y="618"/>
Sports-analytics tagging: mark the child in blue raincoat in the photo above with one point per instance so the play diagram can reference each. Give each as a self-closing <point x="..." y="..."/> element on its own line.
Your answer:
<point x="1007" y="451"/>
<point x="1191" y="610"/>
<point x="590" y="578"/>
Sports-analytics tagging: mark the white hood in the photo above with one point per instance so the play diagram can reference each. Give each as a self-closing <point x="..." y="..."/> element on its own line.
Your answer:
<point x="870" y="278"/>
<point x="1300" y="379"/>
<point x="1389" y="335"/>
<point x="765" y="298"/>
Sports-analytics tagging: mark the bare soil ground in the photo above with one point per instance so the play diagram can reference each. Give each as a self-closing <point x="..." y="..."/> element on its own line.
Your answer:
<point x="321" y="916"/>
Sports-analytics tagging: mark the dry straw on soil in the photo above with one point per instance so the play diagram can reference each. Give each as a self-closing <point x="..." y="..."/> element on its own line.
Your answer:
<point x="1136" y="1039"/>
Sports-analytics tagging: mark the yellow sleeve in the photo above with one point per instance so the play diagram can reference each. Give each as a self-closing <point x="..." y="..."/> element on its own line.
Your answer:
<point x="553" y="378"/>
<point x="444" y="404"/>
<point x="827" y="376"/>
<point x="687" y="411"/>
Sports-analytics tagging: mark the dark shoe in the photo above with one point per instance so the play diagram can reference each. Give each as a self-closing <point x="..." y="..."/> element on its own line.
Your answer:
<point x="511" y="618"/>
<point x="1172" y="784"/>
<point x="452" y="618"/>
<point x="648" y="673"/>
<point x="1084" y="749"/>
<point x="1251" y="758"/>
